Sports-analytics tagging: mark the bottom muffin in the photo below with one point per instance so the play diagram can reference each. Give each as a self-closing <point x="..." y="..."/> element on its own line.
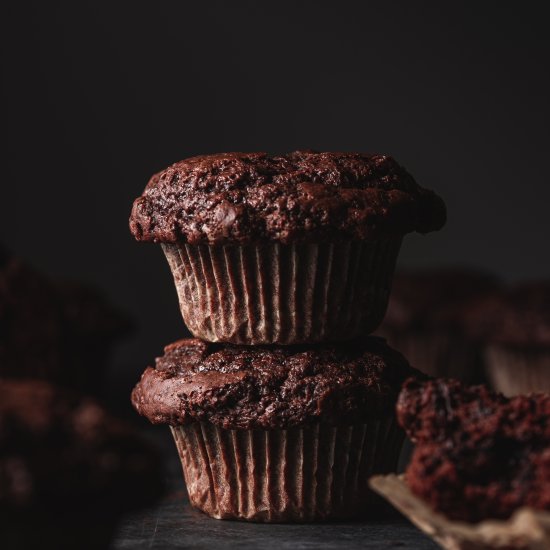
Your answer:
<point x="278" y="434"/>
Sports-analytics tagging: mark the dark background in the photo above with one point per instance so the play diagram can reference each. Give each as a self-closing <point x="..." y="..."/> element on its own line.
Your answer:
<point x="99" y="96"/>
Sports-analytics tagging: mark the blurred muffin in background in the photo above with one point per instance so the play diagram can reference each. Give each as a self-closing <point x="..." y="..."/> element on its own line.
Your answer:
<point x="514" y="324"/>
<point x="58" y="331"/>
<point x="68" y="470"/>
<point x="425" y="320"/>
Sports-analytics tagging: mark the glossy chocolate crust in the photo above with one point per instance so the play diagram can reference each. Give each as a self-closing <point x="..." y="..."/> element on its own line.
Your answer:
<point x="238" y="198"/>
<point x="432" y="298"/>
<point x="240" y="387"/>
<point x="61" y="453"/>
<point x="518" y="316"/>
<point x="478" y="454"/>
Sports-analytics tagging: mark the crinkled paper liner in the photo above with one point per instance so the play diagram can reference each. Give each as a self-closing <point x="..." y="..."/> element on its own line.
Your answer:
<point x="296" y="475"/>
<point x="283" y="294"/>
<point x="513" y="372"/>
<point x="526" y="529"/>
<point x="438" y="353"/>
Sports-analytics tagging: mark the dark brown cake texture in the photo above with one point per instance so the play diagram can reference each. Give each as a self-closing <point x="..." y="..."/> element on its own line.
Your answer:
<point x="238" y="387"/>
<point x="478" y="455"/>
<point x="58" y="331"/>
<point x="302" y="196"/>
<point x="284" y="433"/>
<point x="288" y="249"/>
<point x="68" y="470"/>
<point x="514" y="325"/>
<point x="427" y="319"/>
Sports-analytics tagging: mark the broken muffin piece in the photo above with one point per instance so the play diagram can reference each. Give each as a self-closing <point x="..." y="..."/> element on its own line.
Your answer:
<point x="478" y="454"/>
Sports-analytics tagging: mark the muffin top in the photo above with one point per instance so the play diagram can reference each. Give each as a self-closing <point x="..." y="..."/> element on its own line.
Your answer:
<point x="47" y="328"/>
<point x="57" y="448"/>
<point x="428" y="298"/>
<point x="478" y="454"/>
<point x="240" y="387"/>
<point x="303" y="196"/>
<point x="516" y="317"/>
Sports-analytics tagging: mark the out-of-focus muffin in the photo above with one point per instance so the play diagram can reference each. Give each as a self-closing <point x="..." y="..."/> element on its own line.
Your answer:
<point x="425" y="319"/>
<point x="514" y="325"/>
<point x="68" y="470"/>
<point x="279" y="433"/>
<point x="58" y="331"/>
<point x="286" y="249"/>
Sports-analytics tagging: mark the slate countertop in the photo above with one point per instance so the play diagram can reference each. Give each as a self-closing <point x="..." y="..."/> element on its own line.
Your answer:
<point x="174" y="524"/>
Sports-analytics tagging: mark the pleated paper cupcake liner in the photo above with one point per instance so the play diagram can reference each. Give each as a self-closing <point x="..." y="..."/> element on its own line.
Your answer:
<point x="296" y="475"/>
<point x="527" y="529"/>
<point x="439" y="353"/>
<point x="516" y="371"/>
<point x="283" y="294"/>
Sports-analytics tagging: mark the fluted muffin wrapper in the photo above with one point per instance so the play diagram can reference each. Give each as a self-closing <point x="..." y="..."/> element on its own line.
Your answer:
<point x="305" y="474"/>
<point x="443" y="353"/>
<point x="527" y="529"/>
<point x="517" y="371"/>
<point x="283" y="294"/>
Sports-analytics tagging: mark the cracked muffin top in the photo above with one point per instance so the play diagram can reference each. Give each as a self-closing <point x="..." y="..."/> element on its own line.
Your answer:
<point x="305" y="196"/>
<point x="271" y="387"/>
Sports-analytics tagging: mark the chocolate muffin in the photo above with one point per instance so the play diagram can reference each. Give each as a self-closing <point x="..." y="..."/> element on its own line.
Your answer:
<point x="478" y="454"/>
<point x="278" y="434"/>
<point x="58" y="331"/>
<point x="67" y="469"/>
<point x="514" y="324"/>
<point x="288" y="249"/>
<point x="426" y="319"/>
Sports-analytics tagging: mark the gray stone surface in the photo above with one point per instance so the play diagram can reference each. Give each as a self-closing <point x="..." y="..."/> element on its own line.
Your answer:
<point x="174" y="524"/>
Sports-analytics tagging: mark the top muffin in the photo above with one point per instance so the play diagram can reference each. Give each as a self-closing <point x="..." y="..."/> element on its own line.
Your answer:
<point x="299" y="197"/>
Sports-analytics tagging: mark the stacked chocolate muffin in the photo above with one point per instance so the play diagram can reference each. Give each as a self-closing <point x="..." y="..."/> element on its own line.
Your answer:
<point x="282" y="406"/>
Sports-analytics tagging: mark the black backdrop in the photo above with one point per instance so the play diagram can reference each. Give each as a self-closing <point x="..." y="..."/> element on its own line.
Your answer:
<point x="98" y="96"/>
